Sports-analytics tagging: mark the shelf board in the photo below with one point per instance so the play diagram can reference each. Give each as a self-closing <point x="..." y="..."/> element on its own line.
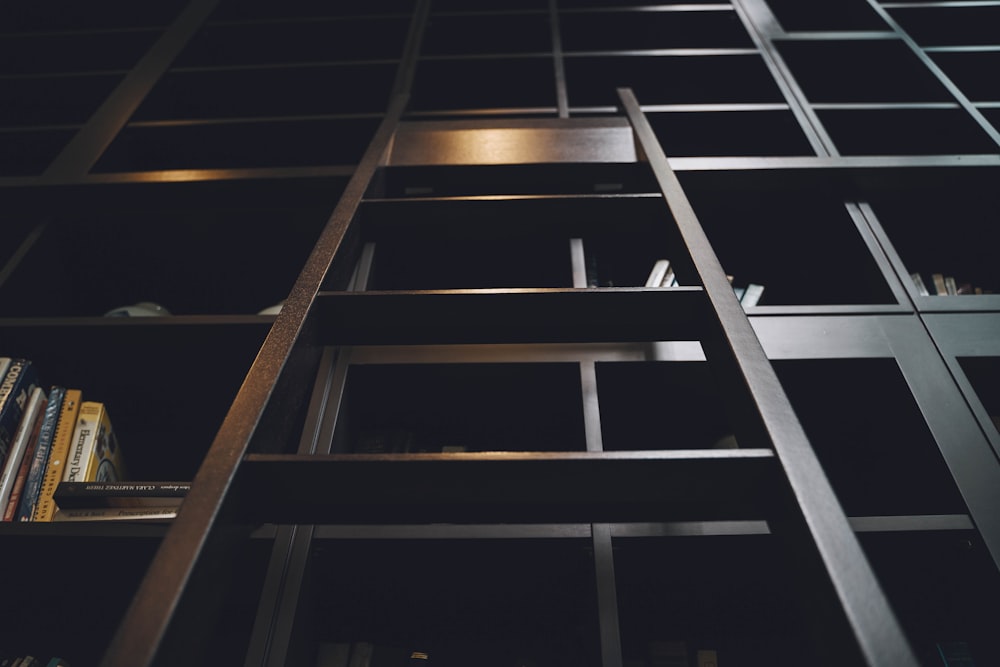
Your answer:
<point x="518" y="487"/>
<point x="512" y="316"/>
<point x="472" y="142"/>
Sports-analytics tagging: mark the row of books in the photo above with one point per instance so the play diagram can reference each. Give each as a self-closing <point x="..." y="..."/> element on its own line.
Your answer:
<point x="151" y="309"/>
<point x="59" y="455"/>
<point x="662" y="275"/>
<point x="32" y="661"/>
<point x="944" y="285"/>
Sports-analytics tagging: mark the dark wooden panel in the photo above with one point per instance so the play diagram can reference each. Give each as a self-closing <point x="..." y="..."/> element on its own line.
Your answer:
<point x="508" y="487"/>
<point x="511" y="316"/>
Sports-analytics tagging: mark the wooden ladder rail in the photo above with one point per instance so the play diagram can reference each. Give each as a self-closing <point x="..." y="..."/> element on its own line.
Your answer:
<point x="813" y="517"/>
<point x="166" y="615"/>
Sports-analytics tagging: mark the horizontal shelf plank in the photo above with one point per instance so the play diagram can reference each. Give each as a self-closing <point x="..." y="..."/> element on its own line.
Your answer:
<point x="548" y="531"/>
<point x="517" y="487"/>
<point x="511" y="316"/>
<point x="915" y="169"/>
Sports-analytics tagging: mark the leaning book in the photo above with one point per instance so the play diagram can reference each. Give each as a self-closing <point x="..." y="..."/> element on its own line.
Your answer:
<point x="54" y="467"/>
<point x="94" y="452"/>
<point x="20" y="447"/>
<point x="36" y="471"/>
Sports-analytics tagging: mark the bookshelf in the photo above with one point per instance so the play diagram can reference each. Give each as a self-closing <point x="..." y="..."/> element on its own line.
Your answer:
<point x="450" y="440"/>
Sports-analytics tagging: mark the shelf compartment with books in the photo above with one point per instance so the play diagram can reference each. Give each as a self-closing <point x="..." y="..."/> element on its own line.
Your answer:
<point x="167" y="387"/>
<point x="484" y="243"/>
<point x="661" y="405"/>
<point x="300" y="40"/>
<point x="412" y="408"/>
<point x="864" y="432"/>
<point x="537" y="606"/>
<point x="509" y="487"/>
<point x="944" y="588"/>
<point x="874" y="71"/>
<point x="751" y="231"/>
<point x="262" y="143"/>
<point x="735" y="78"/>
<point x="505" y="85"/>
<point x="966" y="210"/>
<point x="669" y="28"/>
<point x="724" y="133"/>
<point x="267" y="93"/>
<point x="486" y="33"/>
<point x="734" y="594"/>
<point x="235" y="261"/>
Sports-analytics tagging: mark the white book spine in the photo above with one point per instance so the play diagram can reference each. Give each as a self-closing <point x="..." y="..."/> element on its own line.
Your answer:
<point x="25" y="430"/>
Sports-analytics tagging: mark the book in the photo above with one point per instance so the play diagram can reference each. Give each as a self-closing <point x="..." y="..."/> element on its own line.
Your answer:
<point x="937" y="279"/>
<point x="26" y="432"/>
<point x="950" y="286"/>
<point x="17" y="491"/>
<point x="65" y="426"/>
<point x="94" y="452"/>
<point x="165" y="513"/>
<point x="40" y="458"/>
<point x="15" y="389"/>
<point x="77" y="495"/>
<point x="919" y="283"/>
<point x="751" y="296"/>
<point x="657" y="273"/>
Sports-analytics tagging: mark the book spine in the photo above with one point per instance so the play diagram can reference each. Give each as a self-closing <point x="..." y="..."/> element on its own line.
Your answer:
<point x="15" y="389"/>
<point x="105" y="462"/>
<point x="84" y="439"/>
<point x="751" y="296"/>
<point x="939" y="287"/>
<point x="919" y="283"/>
<point x="17" y="491"/>
<point x="73" y="495"/>
<point x="36" y="473"/>
<point x="115" y="514"/>
<point x="65" y="427"/>
<point x="657" y="273"/>
<point x="26" y="431"/>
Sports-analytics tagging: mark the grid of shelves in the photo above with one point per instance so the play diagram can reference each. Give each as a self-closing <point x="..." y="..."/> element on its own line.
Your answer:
<point x="472" y="430"/>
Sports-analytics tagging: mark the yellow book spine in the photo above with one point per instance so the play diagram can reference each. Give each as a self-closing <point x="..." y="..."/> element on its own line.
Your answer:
<point x="88" y="425"/>
<point x="57" y="456"/>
